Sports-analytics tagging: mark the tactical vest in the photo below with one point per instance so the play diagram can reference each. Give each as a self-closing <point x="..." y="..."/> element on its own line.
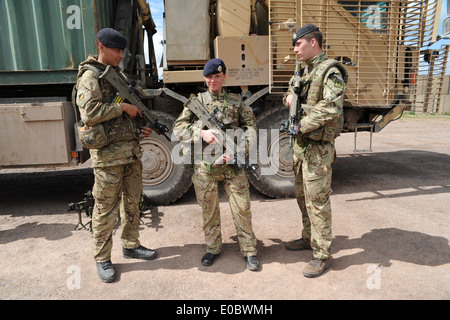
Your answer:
<point x="229" y="116"/>
<point x="332" y="129"/>
<point x="122" y="128"/>
<point x="229" y="108"/>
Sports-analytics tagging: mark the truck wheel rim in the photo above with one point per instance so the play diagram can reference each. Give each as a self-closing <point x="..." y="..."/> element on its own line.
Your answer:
<point x="157" y="162"/>
<point x="279" y="148"/>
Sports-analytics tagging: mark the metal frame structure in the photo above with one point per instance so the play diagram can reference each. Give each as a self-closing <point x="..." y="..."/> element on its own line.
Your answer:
<point x="379" y="42"/>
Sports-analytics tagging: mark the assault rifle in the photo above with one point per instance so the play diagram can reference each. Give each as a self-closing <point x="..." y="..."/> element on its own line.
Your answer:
<point x="212" y="122"/>
<point x="292" y="124"/>
<point x="128" y="92"/>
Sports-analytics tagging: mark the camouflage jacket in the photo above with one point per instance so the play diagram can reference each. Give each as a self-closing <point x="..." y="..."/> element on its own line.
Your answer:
<point x="94" y="100"/>
<point x="188" y="128"/>
<point x="323" y="97"/>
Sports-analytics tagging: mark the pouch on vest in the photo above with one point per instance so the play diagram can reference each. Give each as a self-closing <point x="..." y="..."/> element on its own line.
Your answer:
<point x="332" y="129"/>
<point x="92" y="137"/>
<point x="317" y="134"/>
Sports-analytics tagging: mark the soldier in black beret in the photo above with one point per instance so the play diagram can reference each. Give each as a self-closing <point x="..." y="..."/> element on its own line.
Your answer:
<point x="112" y="39"/>
<point x="209" y="173"/>
<point x="214" y="66"/>
<point x="111" y="46"/>
<point x="303" y="31"/>
<point x="321" y="87"/>
<point x="116" y="159"/>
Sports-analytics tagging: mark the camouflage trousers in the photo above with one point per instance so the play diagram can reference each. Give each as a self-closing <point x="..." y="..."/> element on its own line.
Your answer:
<point x="116" y="189"/>
<point x="206" y="183"/>
<point x="313" y="172"/>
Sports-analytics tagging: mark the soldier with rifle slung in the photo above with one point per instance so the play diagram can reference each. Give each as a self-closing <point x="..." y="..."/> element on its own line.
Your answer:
<point x="320" y="87"/>
<point x="226" y="167"/>
<point x="111" y="131"/>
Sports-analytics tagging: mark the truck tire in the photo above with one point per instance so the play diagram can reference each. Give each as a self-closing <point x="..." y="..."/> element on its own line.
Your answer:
<point x="164" y="181"/>
<point x="275" y="180"/>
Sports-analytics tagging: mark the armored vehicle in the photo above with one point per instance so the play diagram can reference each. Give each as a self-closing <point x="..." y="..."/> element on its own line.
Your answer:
<point x="385" y="46"/>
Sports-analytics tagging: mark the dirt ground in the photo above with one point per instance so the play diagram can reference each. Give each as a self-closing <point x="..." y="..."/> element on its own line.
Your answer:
<point x="391" y="232"/>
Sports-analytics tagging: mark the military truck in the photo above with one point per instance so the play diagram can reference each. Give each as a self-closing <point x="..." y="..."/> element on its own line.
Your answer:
<point x="383" y="44"/>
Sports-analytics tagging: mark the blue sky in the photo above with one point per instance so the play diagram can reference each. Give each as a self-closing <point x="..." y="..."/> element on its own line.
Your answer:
<point x="157" y="9"/>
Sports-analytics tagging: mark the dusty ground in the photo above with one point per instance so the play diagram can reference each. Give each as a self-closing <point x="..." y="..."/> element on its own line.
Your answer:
<point x="390" y="222"/>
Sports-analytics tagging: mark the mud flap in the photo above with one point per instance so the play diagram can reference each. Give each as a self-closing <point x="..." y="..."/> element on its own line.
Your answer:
<point x="393" y="114"/>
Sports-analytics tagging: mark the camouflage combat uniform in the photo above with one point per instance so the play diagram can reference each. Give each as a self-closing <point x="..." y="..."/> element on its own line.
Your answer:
<point x="314" y="150"/>
<point x="117" y="166"/>
<point x="207" y="175"/>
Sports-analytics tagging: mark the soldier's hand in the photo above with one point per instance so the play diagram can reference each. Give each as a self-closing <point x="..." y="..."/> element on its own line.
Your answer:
<point x="211" y="136"/>
<point x="146" y="132"/>
<point x="130" y="109"/>
<point x="226" y="158"/>
<point x="289" y="99"/>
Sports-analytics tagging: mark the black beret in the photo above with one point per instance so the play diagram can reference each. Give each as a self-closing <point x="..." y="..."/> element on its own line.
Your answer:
<point x="112" y="39"/>
<point x="214" y="66"/>
<point x="303" y="31"/>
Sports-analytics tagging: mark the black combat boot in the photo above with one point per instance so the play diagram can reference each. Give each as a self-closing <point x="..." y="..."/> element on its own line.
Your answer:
<point x="208" y="259"/>
<point x="106" y="271"/>
<point x="139" y="253"/>
<point x="252" y="263"/>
